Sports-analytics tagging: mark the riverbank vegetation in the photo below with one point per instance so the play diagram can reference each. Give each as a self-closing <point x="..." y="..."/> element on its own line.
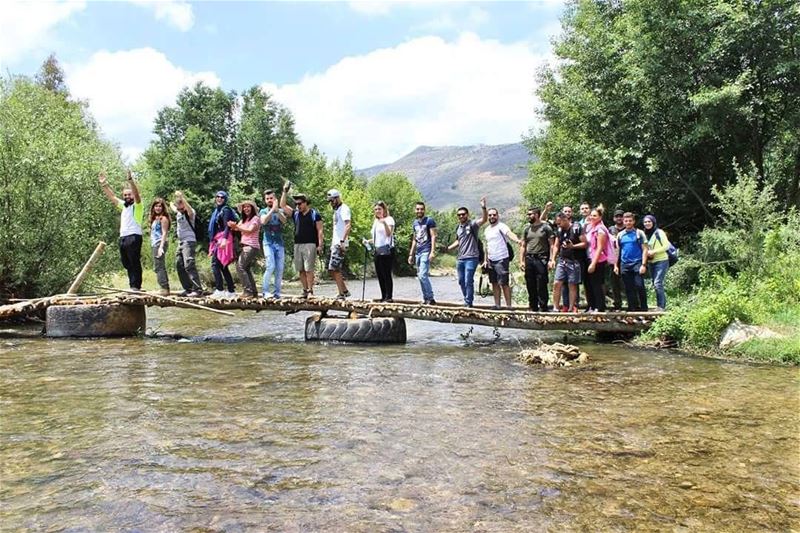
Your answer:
<point x="690" y="112"/>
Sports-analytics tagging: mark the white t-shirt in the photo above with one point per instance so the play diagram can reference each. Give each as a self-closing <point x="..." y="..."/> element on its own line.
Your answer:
<point x="496" y="238"/>
<point x="131" y="220"/>
<point x="379" y="232"/>
<point x="341" y="217"/>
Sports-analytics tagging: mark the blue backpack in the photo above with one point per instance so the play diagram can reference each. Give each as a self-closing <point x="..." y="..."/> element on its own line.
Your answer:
<point x="672" y="252"/>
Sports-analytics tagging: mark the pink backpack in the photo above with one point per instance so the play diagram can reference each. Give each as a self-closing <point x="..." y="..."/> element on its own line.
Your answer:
<point x="610" y="251"/>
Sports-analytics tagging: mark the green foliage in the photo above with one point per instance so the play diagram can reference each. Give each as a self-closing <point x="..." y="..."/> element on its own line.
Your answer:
<point x="650" y="101"/>
<point x="212" y="140"/>
<point x="53" y="212"/>
<point x="746" y="270"/>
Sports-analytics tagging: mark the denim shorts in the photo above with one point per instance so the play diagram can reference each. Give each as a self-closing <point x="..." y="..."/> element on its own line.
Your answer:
<point x="568" y="270"/>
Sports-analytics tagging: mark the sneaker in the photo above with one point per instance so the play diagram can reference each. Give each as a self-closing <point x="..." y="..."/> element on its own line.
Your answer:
<point x="343" y="296"/>
<point x="183" y="294"/>
<point x="231" y="295"/>
<point x="217" y="294"/>
<point x="388" y="300"/>
<point x="193" y="294"/>
<point x="346" y="294"/>
<point x="430" y="302"/>
<point x="495" y="308"/>
<point x="564" y="309"/>
<point x="277" y="296"/>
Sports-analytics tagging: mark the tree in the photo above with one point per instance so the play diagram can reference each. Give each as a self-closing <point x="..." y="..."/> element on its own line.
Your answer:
<point x="651" y="101"/>
<point x="53" y="213"/>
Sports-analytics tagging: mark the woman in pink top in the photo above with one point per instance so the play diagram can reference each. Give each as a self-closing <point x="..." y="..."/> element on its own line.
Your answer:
<point x="249" y="226"/>
<point x="598" y="237"/>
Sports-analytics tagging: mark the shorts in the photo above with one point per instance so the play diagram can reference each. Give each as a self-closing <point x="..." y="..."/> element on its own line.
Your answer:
<point x="568" y="270"/>
<point x="498" y="272"/>
<point x="336" y="259"/>
<point x="305" y="257"/>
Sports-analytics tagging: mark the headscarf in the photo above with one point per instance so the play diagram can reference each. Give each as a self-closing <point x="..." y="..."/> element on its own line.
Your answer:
<point x="218" y="212"/>
<point x="649" y="232"/>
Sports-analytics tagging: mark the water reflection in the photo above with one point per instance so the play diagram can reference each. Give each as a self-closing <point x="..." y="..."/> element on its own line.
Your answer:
<point x="271" y="433"/>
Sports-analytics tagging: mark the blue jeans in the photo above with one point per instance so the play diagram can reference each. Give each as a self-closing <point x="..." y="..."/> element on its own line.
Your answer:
<point x="423" y="262"/>
<point x="634" y="286"/>
<point x="274" y="255"/>
<point x="466" y="278"/>
<point x="658" y="271"/>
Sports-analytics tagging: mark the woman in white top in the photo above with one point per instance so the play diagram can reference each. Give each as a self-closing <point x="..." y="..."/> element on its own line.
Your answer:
<point x="383" y="240"/>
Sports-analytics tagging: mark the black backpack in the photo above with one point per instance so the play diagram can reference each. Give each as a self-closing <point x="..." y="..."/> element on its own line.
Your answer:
<point x="200" y="228"/>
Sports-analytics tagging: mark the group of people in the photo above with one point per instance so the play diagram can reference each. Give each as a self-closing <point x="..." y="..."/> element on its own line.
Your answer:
<point x="581" y="252"/>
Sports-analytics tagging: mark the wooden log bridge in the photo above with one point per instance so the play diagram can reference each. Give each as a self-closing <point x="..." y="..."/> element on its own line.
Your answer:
<point x="451" y="313"/>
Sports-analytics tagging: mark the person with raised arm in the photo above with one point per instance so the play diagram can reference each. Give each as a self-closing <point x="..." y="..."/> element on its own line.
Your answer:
<point x="308" y="240"/>
<point x="186" y="229"/>
<point x="272" y="220"/>
<point x="469" y="250"/>
<point x="499" y="254"/>
<point x="130" y="228"/>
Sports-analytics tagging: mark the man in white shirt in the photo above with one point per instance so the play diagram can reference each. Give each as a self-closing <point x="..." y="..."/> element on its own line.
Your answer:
<point x="339" y="241"/>
<point x="498" y="256"/>
<point x="130" y="229"/>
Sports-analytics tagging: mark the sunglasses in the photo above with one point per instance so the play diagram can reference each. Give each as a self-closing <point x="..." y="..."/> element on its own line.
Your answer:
<point x="461" y="214"/>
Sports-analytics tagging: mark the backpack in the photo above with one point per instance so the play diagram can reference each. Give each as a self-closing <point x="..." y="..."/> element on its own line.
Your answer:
<point x="296" y="219"/>
<point x="508" y="247"/>
<point x="672" y="252"/>
<point x="199" y="228"/>
<point x="610" y="250"/>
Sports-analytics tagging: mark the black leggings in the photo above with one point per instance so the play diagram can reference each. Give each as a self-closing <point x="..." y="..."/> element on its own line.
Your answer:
<point x="595" y="287"/>
<point x="383" y="269"/>
<point x="221" y="272"/>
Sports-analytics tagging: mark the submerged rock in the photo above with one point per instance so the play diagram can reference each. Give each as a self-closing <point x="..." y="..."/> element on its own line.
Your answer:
<point x="555" y="354"/>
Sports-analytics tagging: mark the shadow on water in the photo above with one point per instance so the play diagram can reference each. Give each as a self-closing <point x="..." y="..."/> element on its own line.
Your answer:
<point x="245" y="427"/>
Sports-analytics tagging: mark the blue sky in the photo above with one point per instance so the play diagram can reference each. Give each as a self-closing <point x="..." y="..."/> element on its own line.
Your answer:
<point x="377" y="78"/>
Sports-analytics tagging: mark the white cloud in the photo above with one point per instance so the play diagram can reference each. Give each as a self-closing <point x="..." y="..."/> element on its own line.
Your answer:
<point x="424" y="91"/>
<point x="27" y="26"/>
<point x="177" y="13"/>
<point x="126" y="89"/>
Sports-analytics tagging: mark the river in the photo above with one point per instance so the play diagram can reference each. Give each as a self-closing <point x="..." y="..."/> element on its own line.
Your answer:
<point x="242" y="426"/>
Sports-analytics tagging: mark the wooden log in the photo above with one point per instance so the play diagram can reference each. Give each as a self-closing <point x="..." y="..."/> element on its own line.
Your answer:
<point x="73" y="289"/>
<point x="178" y="303"/>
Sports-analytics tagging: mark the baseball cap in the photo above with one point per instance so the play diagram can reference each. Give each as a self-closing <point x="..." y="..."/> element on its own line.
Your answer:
<point x="333" y="193"/>
<point x="619" y="212"/>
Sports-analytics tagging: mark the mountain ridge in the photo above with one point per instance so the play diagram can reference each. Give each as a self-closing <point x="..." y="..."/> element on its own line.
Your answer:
<point x="451" y="176"/>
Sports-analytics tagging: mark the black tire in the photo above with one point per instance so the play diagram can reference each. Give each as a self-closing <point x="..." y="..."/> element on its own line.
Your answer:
<point x="95" y="320"/>
<point x="373" y="330"/>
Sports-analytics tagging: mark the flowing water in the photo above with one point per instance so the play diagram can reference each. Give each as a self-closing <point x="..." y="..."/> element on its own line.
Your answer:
<point x="244" y="427"/>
